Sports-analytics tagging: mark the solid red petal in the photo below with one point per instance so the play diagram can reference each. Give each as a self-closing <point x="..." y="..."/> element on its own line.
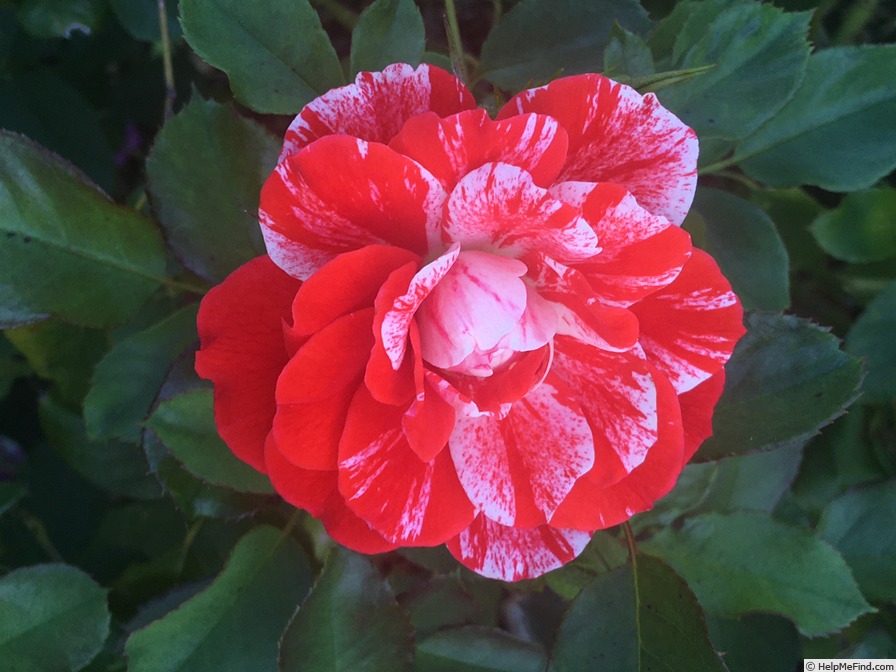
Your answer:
<point x="697" y="406"/>
<point x="518" y="469"/>
<point x="410" y="502"/>
<point x="341" y="194"/>
<point x="508" y="384"/>
<point x="499" y="206"/>
<point x="690" y="328"/>
<point x="349" y="282"/>
<point x="316" y="492"/>
<point x="316" y="387"/>
<point x="590" y="506"/>
<point x="512" y="554"/>
<point x="618" y="397"/>
<point x="428" y="422"/>
<point x="452" y="147"/>
<point x="618" y="135"/>
<point x="377" y="105"/>
<point x="242" y="352"/>
<point x="640" y="252"/>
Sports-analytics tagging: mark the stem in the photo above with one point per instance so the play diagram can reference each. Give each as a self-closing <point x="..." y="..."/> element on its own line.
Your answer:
<point x="855" y="21"/>
<point x="34" y="525"/>
<point x="170" y="91"/>
<point x="719" y="165"/>
<point x="185" y="286"/>
<point x="455" y="44"/>
<point x="188" y="542"/>
<point x="633" y="554"/>
<point x="343" y="16"/>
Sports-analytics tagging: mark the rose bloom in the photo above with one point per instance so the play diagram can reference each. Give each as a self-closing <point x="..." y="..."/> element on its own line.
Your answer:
<point x="486" y="334"/>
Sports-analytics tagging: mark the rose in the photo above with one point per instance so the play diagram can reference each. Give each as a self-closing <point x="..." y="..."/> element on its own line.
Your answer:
<point x="488" y="334"/>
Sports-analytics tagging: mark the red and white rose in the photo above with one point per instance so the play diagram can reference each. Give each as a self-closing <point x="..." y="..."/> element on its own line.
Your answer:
<point x="490" y="334"/>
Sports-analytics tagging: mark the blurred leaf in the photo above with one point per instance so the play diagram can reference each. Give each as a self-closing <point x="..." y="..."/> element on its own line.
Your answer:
<point x="389" y="31"/>
<point x="186" y="424"/>
<point x="786" y="380"/>
<point x="65" y="248"/>
<point x="792" y="211"/>
<point x="349" y="622"/>
<point x="10" y="494"/>
<point x="277" y="56"/>
<point x="860" y="525"/>
<point x="537" y="41"/>
<point x="233" y="624"/>
<point x="760" y="55"/>
<point x="843" y="110"/>
<point x="603" y="554"/>
<point x="116" y="411"/>
<point x="862" y="228"/>
<point x="744" y="242"/>
<point x="746" y="561"/>
<point x="12" y="366"/>
<point x="477" y="649"/>
<point x="208" y="150"/>
<point x="115" y="466"/>
<point x="641" y="619"/>
<point x="627" y="54"/>
<point x="871" y="337"/>
<point x="51" y="112"/>
<point x="736" y="640"/>
<point x="52" y="617"/>
<point x="62" y="354"/>
<point x="141" y="18"/>
<point x="61" y="18"/>
<point x="442" y="601"/>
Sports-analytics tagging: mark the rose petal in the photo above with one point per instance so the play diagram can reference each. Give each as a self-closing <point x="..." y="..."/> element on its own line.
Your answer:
<point x="499" y="206"/>
<point x="690" y="328"/>
<point x="316" y="493"/>
<point x="410" y="502"/>
<point x="618" y="135"/>
<point x="697" y="406"/>
<point x="377" y="105"/>
<point x="450" y="148"/>
<point x="511" y="554"/>
<point x="341" y="194"/>
<point x="517" y="470"/>
<point x="240" y="328"/>
<point x="590" y="505"/>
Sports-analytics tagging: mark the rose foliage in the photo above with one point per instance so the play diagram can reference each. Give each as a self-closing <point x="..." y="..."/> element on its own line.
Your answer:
<point x="490" y="334"/>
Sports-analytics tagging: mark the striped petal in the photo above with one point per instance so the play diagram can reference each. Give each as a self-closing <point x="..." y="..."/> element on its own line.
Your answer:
<point x="452" y="147"/>
<point x="511" y="554"/>
<point x="377" y="104"/>
<point x="242" y="352"/>
<point x="689" y="328"/>
<point x="618" y="135"/>
<point x="410" y="502"/>
<point x="499" y="206"/>
<point x="341" y="194"/>
<point x="517" y="470"/>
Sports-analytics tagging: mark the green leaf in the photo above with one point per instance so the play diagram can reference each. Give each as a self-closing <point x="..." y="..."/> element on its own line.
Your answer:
<point x="277" y="56"/>
<point x="537" y="41"/>
<point x="478" y="649"/>
<point x="113" y="410"/>
<point x="635" y="620"/>
<point x="186" y="424"/>
<point x="115" y="466"/>
<point x="51" y="112"/>
<point x="627" y="55"/>
<point x="746" y="245"/>
<point x="843" y="110"/>
<point x="52" y="617"/>
<point x="746" y="561"/>
<point x="871" y="337"/>
<point x="737" y="639"/>
<point x="785" y="380"/>
<point x="603" y="554"/>
<point x="855" y="523"/>
<point x="760" y="55"/>
<point x="389" y="31"/>
<point x="792" y="211"/>
<point x="61" y="18"/>
<point x="233" y="624"/>
<point x="349" y="622"/>
<point x="440" y="602"/>
<point x="141" y="18"/>
<point x="860" y="229"/>
<point x="65" y="248"/>
<point x="208" y="149"/>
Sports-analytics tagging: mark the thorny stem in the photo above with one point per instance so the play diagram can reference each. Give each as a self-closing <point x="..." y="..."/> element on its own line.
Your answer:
<point x="170" y="91"/>
<point x="455" y="44"/>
